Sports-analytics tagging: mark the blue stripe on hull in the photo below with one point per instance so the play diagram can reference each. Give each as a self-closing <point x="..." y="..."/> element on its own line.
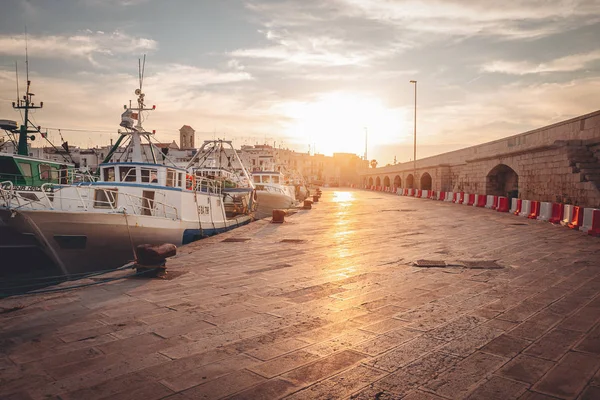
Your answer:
<point x="191" y="235"/>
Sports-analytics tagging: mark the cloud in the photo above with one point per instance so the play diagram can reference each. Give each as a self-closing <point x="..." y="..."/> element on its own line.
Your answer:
<point x="86" y="45"/>
<point x="313" y="50"/>
<point x="568" y="63"/>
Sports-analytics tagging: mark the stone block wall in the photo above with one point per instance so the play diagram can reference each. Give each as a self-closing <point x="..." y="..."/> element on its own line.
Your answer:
<point x="540" y="158"/>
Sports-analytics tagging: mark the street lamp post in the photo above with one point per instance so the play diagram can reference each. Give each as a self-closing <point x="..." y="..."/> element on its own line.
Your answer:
<point x="415" y="139"/>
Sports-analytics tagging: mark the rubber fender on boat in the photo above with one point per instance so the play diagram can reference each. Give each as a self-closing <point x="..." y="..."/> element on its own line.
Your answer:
<point x="148" y="254"/>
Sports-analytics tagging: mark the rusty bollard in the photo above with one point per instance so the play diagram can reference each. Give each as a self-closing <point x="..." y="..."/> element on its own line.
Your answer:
<point x="316" y="198"/>
<point x="278" y="216"/>
<point x="152" y="259"/>
<point x="307" y="204"/>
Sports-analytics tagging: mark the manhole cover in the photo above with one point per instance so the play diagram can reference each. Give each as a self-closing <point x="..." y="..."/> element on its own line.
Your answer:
<point x="235" y="240"/>
<point x="430" y="264"/>
<point x="293" y="241"/>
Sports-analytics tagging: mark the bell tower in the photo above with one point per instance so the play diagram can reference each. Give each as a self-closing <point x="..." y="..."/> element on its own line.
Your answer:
<point x="186" y="137"/>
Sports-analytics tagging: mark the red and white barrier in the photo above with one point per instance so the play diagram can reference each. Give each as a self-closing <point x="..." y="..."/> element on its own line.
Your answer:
<point x="545" y="211"/>
<point x="567" y="215"/>
<point x="432" y="195"/>
<point x="441" y="196"/>
<point x="480" y="200"/>
<point x="535" y="210"/>
<point x="577" y="219"/>
<point x="422" y="194"/>
<point x="502" y="204"/>
<point x="449" y="197"/>
<point x="411" y="192"/>
<point x="469" y="199"/>
<point x="515" y="206"/>
<point x="525" y="208"/>
<point x="557" y="213"/>
<point x="591" y="221"/>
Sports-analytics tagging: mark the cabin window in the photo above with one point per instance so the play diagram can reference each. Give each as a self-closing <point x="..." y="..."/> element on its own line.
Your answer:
<point x="105" y="198"/>
<point x="266" y="179"/>
<point x="257" y="179"/>
<point x="149" y="175"/>
<point x="180" y="179"/>
<point x="128" y="174"/>
<point x="48" y="173"/>
<point x="275" y="179"/>
<point x="26" y="168"/>
<point x="109" y="174"/>
<point x="171" y="177"/>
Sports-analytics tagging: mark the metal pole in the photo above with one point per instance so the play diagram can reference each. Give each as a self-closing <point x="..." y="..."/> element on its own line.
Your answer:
<point x="415" y="139"/>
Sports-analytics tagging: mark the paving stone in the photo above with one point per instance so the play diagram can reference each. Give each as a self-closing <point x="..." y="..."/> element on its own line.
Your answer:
<point x="341" y="385"/>
<point x="280" y="365"/>
<point x="591" y="341"/>
<point x="526" y="369"/>
<point x="458" y="381"/>
<point x="405" y="353"/>
<point x="382" y="343"/>
<point x="324" y="367"/>
<point x="568" y="378"/>
<point x="529" y="395"/>
<point x="590" y="393"/>
<point x="276" y="349"/>
<point x="456" y="328"/>
<point x="505" y="346"/>
<point x="271" y="389"/>
<point x="537" y="325"/>
<point x="554" y="344"/>
<point x="498" y="388"/>
<point x="224" y="386"/>
<point x="472" y="340"/>
<point x="419" y="395"/>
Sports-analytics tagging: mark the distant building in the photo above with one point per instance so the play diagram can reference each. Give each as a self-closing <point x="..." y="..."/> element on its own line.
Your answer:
<point x="186" y="138"/>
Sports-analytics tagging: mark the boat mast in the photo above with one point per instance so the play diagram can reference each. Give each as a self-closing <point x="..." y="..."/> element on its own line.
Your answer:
<point x="25" y="104"/>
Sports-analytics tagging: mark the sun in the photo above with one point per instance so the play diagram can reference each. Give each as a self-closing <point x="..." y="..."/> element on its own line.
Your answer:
<point x="337" y="123"/>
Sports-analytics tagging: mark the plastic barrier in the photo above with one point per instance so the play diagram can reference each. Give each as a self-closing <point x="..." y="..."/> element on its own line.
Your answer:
<point x="577" y="219"/>
<point x="410" y="192"/>
<point x="469" y="199"/>
<point x="449" y="196"/>
<point x="441" y="196"/>
<point x="400" y="192"/>
<point x="545" y="211"/>
<point x="525" y="208"/>
<point x="480" y="200"/>
<point x="557" y="213"/>
<point x="535" y="210"/>
<point x="591" y="221"/>
<point x="489" y="203"/>
<point x="567" y="215"/>
<point x="513" y="206"/>
<point x="423" y="194"/>
<point x="518" y="207"/>
<point x="502" y="204"/>
<point x="431" y="194"/>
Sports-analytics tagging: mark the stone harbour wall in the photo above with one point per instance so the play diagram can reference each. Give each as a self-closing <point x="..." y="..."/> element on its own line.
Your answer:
<point x="558" y="163"/>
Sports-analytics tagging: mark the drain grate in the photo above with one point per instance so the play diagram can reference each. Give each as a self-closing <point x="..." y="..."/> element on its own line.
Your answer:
<point x="430" y="264"/>
<point x="235" y="240"/>
<point x="293" y="241"/>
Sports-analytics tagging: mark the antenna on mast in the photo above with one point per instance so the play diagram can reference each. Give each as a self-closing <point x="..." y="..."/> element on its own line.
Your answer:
<point x="17" y="75"/>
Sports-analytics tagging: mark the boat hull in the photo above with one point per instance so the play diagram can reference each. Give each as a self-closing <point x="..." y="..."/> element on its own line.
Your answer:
<point x="269" y="201"/>
<point x="81" y="242"/>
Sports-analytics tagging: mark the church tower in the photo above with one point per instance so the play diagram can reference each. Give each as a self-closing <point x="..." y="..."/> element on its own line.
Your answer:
<point x="186" y="137"/>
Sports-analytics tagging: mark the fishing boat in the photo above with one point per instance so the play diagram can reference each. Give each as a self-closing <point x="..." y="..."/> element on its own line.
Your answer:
<point x="95" y="226"/>
<point x="273" y="192"/>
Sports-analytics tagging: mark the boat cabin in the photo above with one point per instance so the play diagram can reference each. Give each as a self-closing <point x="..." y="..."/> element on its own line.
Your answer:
<point x="33" y="172"/>
<point x="147" y="174"/>
<point x="271" y="177"/>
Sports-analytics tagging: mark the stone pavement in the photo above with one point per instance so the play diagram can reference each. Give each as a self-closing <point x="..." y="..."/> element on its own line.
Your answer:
<point x="329" y="305"/>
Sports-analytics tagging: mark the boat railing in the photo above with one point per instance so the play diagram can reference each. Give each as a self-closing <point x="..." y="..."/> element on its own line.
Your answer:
<point x="207" y="185"/>
<point x="89" y="198"/>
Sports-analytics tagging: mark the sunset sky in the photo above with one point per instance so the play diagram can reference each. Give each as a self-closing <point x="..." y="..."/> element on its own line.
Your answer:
<point x="307" y="72"/>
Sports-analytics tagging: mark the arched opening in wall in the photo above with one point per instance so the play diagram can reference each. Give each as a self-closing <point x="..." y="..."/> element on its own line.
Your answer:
<point x="502" y="180"/>
<point x="410" y="182"/>
<point x="386" y="181"/>
<point x="425" y="181"/>
<point x="365" y="182"/>
<point x="397" y="181"/>
<point x="370" y="181"/>
<point x="378" y="182"/>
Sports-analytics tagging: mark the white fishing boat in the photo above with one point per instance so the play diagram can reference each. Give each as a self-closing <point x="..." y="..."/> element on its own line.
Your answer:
<point x="273" y="192"/>
<point x="97" y="225"/>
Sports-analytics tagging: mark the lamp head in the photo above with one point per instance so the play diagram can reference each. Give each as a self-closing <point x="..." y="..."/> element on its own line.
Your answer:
<point x="413" y="81"/>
